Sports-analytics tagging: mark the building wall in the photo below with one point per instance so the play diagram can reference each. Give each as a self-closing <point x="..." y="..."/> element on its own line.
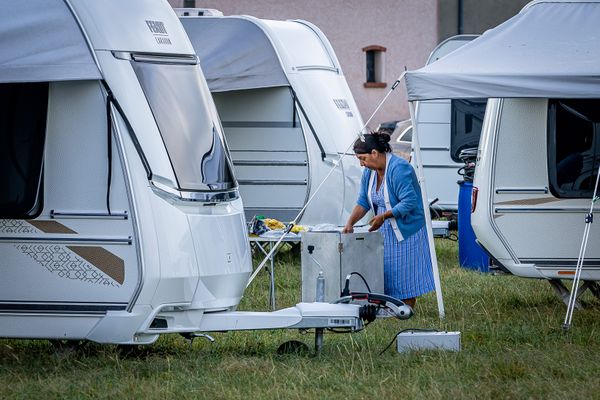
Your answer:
<point x="478" y="15"/>
<point x="408" y="29"/>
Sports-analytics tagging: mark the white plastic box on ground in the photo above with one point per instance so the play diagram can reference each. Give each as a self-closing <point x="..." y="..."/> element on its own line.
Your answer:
<point x="337" y="255"/>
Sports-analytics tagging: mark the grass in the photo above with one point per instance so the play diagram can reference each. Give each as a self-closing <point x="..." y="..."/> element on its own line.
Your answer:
<point x="513" y="347"/>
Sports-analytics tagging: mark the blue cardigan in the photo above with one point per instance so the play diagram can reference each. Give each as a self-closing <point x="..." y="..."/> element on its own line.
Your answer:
<point x="404" y="193"/>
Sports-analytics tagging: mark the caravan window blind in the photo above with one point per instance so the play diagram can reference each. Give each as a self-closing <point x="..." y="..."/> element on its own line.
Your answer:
<point x="23" y="114"/>
<point x="573" y="146"/>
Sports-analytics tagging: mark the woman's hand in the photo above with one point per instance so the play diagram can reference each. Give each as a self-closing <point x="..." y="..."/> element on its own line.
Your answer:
<point x="376" y="222"/>
<point x="348" y="229"/>
<point x="357" y="213"/>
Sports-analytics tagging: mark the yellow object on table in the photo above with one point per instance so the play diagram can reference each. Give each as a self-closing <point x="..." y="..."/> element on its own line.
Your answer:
<point x="273" y="224"/>
<point x="298" y="229"/>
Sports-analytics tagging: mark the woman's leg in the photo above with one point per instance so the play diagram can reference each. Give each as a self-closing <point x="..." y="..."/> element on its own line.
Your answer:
<point x="410" y="302"/>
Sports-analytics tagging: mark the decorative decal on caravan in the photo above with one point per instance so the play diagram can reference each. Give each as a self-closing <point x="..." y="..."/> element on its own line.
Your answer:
<point x="102" y="259"/>
<point x="20" y="226"/>
<point x="16" y="226"/>
<point x="51" y="227"/>
<point x="529" y="202"/>
<point x="90" y="264"/>
<point x="94" y="264"/>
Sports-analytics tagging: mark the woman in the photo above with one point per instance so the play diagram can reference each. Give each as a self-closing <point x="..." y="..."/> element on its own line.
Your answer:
<point x="389" y="186"/>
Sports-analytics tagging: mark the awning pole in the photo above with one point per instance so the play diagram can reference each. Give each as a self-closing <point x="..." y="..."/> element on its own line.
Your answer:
<point x="589" y="219"/>
<point x="421" y="178"/>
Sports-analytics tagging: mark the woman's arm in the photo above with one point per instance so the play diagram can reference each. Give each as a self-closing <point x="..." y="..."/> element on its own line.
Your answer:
<point x="357" y="213"/>
<point x="408" y="200"/>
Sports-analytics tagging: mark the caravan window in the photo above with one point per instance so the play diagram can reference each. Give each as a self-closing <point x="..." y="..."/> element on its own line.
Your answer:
<point x="466" y="122"/>
<point x="573" y="147"/>
<point x="23" y="113"/>
<point x="179" y="100"/>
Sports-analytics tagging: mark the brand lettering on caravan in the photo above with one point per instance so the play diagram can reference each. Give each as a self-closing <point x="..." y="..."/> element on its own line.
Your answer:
<point x="159" y="32"/>
<point x="156" y="27"/>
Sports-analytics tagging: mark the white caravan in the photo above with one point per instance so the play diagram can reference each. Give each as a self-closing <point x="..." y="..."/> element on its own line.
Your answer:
<point x="287" y="113"/>
<point x="539" y="150"/>
<point x="447" y="127"/>
<point x="120" y="215"/>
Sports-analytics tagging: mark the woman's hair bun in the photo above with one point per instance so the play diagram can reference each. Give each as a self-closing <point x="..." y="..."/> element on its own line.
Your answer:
<point x="383" y="135"/>
<point x="378" y="140"/>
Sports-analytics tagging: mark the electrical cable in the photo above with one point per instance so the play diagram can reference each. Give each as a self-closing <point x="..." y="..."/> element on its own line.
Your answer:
<point x="334" y="166"/>
<point x="364" y="280"/>
<point x="346" y="291"/>
<point x="406" y="330"/>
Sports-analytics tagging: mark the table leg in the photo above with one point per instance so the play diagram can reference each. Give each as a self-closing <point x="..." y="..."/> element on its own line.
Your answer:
<point x="272" y="289"/>
<point x="265" y="250"/>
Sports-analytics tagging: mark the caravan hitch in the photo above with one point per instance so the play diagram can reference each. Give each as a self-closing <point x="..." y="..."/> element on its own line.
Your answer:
<point x="376" y="303"/>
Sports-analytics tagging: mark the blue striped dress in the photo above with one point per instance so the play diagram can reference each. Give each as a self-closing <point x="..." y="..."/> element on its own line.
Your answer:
<point x="407" y="270"/>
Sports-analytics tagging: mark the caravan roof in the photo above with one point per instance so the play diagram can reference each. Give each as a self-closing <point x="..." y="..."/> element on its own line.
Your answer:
<point x="550" y="49"/>
<point x="42" y="46"/>
<point x="255" y="58"/>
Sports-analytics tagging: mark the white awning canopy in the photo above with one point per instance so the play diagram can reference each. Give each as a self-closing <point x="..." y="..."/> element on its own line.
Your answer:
<point x="234" y="53"/>
<point x="41" y="41"/>
<point x="550" y="49"/>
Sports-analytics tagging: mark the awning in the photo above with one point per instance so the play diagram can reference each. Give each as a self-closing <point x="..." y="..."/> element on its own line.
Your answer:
<point x="41" y="41"/>
<point x="234" y="54"/>
<point x="550" y="49"/>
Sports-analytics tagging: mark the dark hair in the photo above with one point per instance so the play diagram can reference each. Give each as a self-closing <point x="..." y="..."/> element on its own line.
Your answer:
<point x="378" y="140"/>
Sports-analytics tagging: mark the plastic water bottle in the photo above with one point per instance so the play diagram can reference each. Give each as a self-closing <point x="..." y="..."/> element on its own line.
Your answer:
<point x="320" y="287"/>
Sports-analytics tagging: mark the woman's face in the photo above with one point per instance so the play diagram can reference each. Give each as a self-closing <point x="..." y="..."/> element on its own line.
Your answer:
<point x="370" y="160"/>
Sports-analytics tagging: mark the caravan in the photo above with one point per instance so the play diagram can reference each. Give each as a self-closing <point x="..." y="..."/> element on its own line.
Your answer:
<point x="287" y="113"/>
<point x="538" y="155"/>
<point x="105" y="207"/>
<point x="120" y="217"/>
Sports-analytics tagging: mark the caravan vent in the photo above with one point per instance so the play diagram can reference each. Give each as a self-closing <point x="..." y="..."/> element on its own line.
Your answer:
<point x="198" y="12"/>
<point x="342" y="104"/>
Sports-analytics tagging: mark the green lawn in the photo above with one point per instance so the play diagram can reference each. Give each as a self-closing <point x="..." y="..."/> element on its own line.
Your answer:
<point x="512" y="347"/>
